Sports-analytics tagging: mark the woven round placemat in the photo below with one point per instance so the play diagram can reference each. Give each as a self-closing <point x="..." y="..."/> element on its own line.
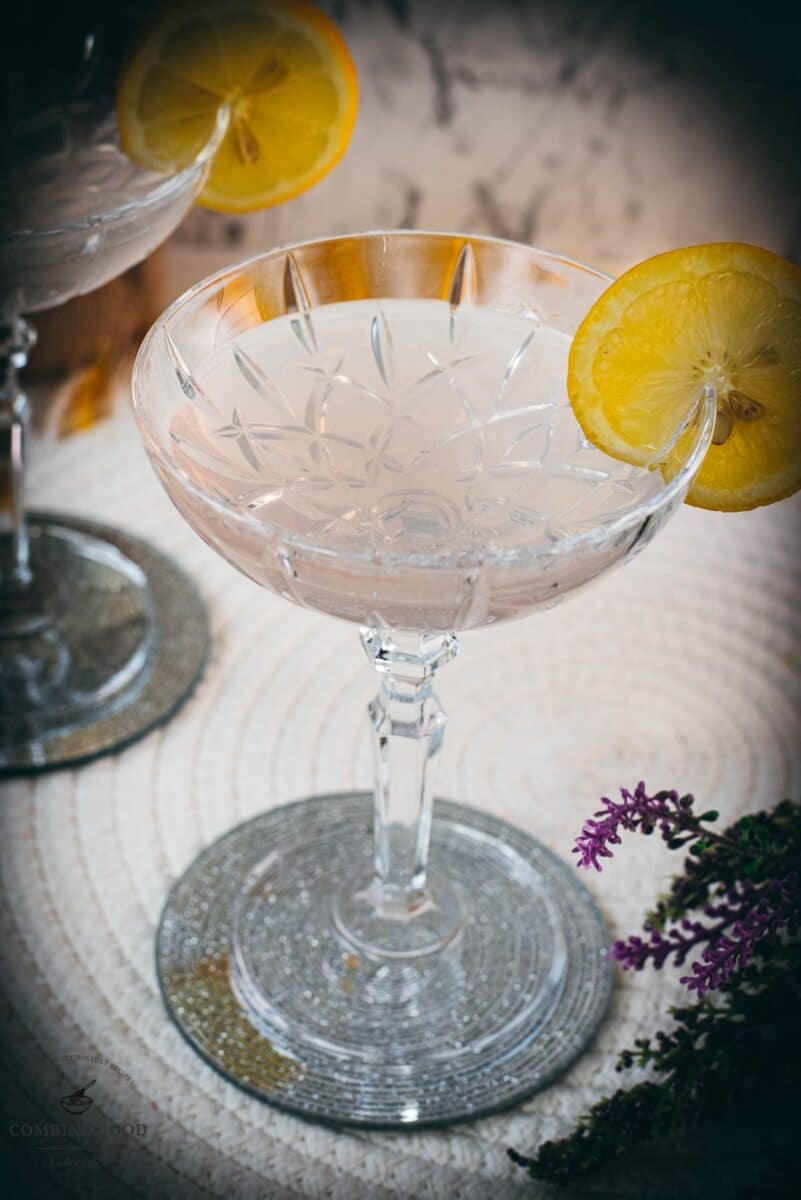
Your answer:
<point x="683" y="669"/>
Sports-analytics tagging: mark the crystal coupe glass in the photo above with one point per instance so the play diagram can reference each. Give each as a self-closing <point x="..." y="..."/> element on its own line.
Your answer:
<point x="377" y="427"/>
<point x="99" y="636"/>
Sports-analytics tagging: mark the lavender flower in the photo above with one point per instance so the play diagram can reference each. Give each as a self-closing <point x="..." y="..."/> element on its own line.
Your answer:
<point x="735" y="907"/>
<point x="777" y="908"/>
<point x="671" y="814"/>
<point x="635" y="952"/>
<point x="741" y="915"/>
<point x="748" y="914"/>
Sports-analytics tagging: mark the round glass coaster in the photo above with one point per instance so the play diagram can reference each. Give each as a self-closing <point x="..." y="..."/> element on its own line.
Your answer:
<point x="259" y="976"/>
<point x="106" y="642"/>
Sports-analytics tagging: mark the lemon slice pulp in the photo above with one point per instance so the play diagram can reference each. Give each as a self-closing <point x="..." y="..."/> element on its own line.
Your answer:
<point x="281" y="72"/>
<point x="726" y="315"/>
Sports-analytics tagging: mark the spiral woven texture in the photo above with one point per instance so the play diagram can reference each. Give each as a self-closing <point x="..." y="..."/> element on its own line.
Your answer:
<point x="683" y="669"/>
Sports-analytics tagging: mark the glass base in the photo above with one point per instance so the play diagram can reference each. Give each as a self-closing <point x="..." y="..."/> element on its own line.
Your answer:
<point x="104" y="642"/>
<point x="375" y="925"/>
<point x="263" y="973"/>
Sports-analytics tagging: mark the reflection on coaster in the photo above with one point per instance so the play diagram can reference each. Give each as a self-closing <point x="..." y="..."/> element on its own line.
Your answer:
<point x="260" y="977"/>
<point x="109" y="645"/>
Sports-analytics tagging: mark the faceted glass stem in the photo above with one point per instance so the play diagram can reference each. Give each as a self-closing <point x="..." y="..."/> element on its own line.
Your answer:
<point x="402" y="912"/>
<point x="16" y="340"/>
<point x="408" y="725"/>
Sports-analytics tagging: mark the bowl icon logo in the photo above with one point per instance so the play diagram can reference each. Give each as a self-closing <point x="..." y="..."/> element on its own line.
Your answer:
<point x="77" y="1102"/>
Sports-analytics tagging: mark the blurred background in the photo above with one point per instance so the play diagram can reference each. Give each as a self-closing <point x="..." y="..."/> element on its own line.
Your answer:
<point x="608" y="131"/>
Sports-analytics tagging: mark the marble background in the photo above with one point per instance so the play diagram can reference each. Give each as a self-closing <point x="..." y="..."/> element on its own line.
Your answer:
<point x="601" y="130"/>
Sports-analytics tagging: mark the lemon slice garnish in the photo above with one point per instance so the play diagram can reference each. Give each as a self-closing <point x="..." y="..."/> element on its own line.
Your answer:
<point x="725" y="314"/>
<point x="281" y="73"/>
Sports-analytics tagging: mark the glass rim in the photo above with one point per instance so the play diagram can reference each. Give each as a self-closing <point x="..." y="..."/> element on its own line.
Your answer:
<point x="704" y="406"/>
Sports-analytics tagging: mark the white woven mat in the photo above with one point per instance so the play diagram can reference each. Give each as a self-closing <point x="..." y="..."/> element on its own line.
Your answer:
<point x="683" y="669"/>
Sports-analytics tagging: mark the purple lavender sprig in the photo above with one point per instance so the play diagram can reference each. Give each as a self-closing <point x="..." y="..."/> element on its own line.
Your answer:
<point x="668" y="812"/>
<point x="748" y="914"/>
<point x="776" y="909"/>
<point x="743" y="914"/>
<point x="735" y="908"/>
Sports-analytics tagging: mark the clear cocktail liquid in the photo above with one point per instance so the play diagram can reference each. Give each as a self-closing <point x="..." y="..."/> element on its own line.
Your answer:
<point x="422" y="439"/>
<point x="404" y="433"/>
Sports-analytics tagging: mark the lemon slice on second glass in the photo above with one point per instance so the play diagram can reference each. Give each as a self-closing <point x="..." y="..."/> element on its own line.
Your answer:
<point x="281" y="72"/>
<point x="723" y="314"/>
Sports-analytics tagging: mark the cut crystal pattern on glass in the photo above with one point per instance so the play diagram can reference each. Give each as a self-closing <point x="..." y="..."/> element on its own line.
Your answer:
<point x="471" y="448"/>
<point x="401" y="433"/>
<point x="68" y="166"/>
<point x="377" y="427"/>
<point x="75" y="211"/>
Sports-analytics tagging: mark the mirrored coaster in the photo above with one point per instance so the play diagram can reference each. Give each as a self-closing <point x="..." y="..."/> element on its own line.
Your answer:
<point x="277" y="993"/>
<point x="107" y="641"/>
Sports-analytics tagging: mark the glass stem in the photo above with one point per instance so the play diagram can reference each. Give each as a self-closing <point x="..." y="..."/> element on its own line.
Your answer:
<point x="16" y="340"/>
<point x="408" y="724"/>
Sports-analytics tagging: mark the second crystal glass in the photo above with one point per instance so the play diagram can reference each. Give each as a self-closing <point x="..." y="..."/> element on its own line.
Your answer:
<point x="100" y="637"/>
<point x="377" y="427"/>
